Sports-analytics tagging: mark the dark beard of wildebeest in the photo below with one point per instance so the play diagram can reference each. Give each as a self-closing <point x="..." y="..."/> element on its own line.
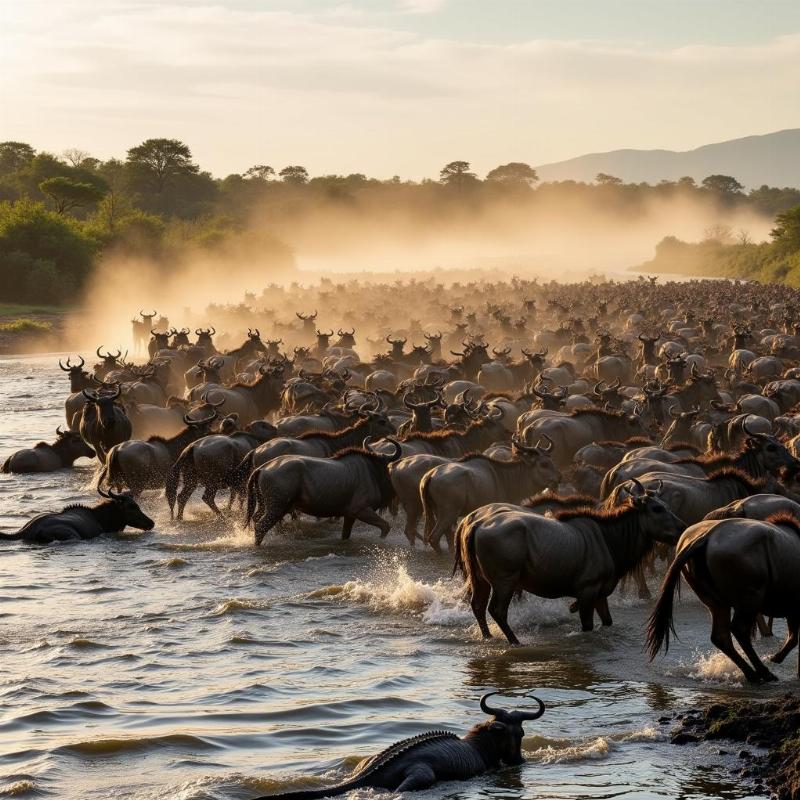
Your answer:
<point x="746" y="566"/>
<point x="761" y="456"/>
<point x="421" y="761"/>
<point x="691" y="498"/>
<point x="581" y="554"/>
<point x="317" y="444"/>
<point x="210" y="461"/>
<point x="138" y="465"/>
<point x="44" y="457"/>
<point x="572" y="431"/>
<point x="453" y="490"/>
<point x="103" y="423"/>
<point x="158" y="341"/>
<point x="353" y="484"/>
<point x="83" y="522"/>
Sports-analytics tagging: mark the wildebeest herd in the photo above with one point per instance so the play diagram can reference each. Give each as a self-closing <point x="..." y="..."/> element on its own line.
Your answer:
<point x="557" y="438"/>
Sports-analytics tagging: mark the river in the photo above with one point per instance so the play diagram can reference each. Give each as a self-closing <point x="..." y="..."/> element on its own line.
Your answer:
<point x="185" y="663"/>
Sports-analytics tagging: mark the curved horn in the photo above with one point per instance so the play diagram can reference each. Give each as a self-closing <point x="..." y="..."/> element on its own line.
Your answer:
<point x="672" y="413"/>
<point x="490" y="710"/>
<point x="66" y="369"/>
<point x="640" y="489"/>
<point x="545" y="449"/>
<point x="59" y="432"/>
<point x="89" y="395"/>
<point x="103" y="494"/>
<point x="98" y="351"/>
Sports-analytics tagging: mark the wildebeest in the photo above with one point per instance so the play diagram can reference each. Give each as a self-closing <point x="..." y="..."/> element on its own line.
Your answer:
<point x="209" y="462"/>
<point x="423" y="760"/>
<point x="252" y="401"/>
<point x="756" y="506"/>
<point x="746" y="566"/>
<point x="691" y="498"/>
<point x="104" y="422"/>
<point x="84" y="522"/>
<point x="572" y="431"/>
<point x="582" y="553"/>
<point x="139" y="465"/>
<point x="44" y="457"/>
<point x="453" y="490"/>
<point x="353" y="484"/>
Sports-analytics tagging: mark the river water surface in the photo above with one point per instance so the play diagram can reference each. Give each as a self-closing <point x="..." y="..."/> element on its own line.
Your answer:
<point x="185" y="663"/>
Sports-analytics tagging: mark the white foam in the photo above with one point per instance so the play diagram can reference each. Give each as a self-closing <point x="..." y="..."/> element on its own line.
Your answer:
<point x="594" y="750"/>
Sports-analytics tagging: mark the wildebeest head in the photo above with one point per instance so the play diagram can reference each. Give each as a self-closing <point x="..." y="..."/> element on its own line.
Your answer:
<point x="180" y="338"/>
<point x="537" y="359"/>
<point x="501" y="737"/>
<point x="160" y="341"/>
<point x="539" y="460"/>
<point x="655" y="518"/>
<point x="70" y="445"/>
<point x="705" y="384"/>
<point x="78" y="378"/>
<point x="397" y="346"/>
<point x="772" y="454"/>
<point x="109" y="360"/>
<point x="379" y="423"/>
<point x="346" y="338"/>
<point x="128" y="508"/>
<point x="104" y="404"/>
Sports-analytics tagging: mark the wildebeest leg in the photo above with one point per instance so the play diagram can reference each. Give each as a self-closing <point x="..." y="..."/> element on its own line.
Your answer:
<point x="498" y="607"/>
<point x="764" y="627"/>
<point x="369" y="516"/>
<point x="209" y="498"/>
<point x="272" y="515"/>
<point x="481" y="589"/>
<point x="721" y="639"/>
<point x="418" y="777"/>
<point x="742" y="627"/>
<point x="586" y="610"/>
<point x="347" y="527"/>
<point x="189" y="485"/>
<point x="601" y="606"/>
<point x="412" y="521"/>
<point x="793" y="623"/>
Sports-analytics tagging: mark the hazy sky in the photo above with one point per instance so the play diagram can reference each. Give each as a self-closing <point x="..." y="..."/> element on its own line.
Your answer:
<point x="390" y="87"/>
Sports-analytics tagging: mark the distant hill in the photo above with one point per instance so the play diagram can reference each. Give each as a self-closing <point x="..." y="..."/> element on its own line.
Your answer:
<point x="772" y="159"/>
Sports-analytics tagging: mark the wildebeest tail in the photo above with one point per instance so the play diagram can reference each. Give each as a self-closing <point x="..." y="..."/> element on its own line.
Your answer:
<point x="237" y="477"/>
<point x="428" y="505"/>
<point x="660" y="624"/>
<point x="252" y="496"/>
<point x="174" y="476"/>
<point x="465" y="560"/>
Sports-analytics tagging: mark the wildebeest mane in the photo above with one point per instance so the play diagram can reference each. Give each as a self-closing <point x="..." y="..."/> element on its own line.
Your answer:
<point x="597" y="412"/>
<point x="445" y="433"/>
<point x="728" y="473"/>
<point x="320" y="434"/>
<point x="674" y="446"/>
<point x="565" y="500"/>
<point x="785" y="518"/>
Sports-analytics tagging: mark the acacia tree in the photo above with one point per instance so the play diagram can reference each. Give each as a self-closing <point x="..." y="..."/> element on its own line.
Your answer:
<point x="260" y="171"/>
<point x="457" y="174"/>
<point x="607" y="180"/>
<point x="722" y="184"/>
<point x="514" y="172"/>
<point x="786" y="233"/>
<point x="14" y="156"/>
<point x="295" y="174"/>
<point x="78" y="157"/>
<point x="68" y="194"/>
<point x="162" y="160"/>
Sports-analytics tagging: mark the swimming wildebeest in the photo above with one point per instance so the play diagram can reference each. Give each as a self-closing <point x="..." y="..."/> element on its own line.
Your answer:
<point x="746" y="566"/>
<point x="353" y="484"/>
<point x="423" y="760"/>
<point x="582" y="553"/>
<point x="84" y="522"/>
<point x="44" y="457"/>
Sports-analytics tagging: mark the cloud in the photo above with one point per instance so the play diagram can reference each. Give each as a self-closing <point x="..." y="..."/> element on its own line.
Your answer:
<point x="340" y="89"/>
<point x="421" y="6"/>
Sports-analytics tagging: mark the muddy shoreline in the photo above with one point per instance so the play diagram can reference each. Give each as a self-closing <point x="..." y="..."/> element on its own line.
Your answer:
<point x="772" y="726"/>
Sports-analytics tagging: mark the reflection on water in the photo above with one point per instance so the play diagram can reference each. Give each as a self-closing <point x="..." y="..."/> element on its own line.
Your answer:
<point x="185" y="663"/>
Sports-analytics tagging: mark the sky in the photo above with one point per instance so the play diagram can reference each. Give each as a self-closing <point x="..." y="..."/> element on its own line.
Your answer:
<point x="395" y="87"/>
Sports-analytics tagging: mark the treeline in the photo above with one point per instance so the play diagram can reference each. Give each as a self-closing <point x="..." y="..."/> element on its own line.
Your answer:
<point x="726" y="254"/>
<point x="59" y="214"/>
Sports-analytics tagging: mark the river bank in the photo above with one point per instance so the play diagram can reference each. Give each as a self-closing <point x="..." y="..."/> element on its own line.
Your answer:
<point x="31" y="329"/>
<point x="772" y="726"/>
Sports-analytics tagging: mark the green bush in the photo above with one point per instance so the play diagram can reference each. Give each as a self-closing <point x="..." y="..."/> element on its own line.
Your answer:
<point x="29" y="326"/>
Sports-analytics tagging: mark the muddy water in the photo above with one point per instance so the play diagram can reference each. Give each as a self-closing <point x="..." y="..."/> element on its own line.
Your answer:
<point x="185" y="663"/>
